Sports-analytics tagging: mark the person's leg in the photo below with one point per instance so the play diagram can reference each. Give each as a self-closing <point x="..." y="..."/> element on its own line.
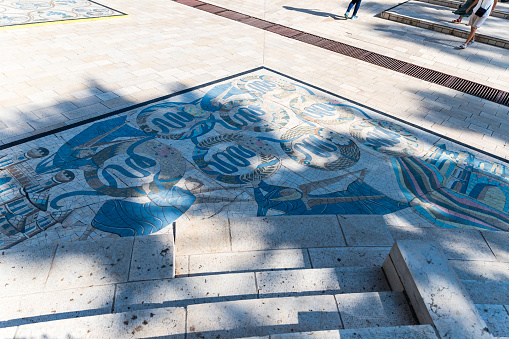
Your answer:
<point x="357" y="5"/>
<point x="350" y="5"/>
<point x="470" y="37"/>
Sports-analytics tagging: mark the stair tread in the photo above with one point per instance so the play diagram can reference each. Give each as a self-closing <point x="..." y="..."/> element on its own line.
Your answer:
<point x="394" y="332"/>
<point x="496" y="317"/>
<point x="488" y="292"/>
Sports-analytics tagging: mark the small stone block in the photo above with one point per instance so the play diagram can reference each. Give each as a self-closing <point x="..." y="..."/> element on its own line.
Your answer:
<point x="333" y="334"/>
<point x="184" y="291"/>
<point x="397" y="332"/>
<point x="499" y="243"/>
<point x="348" y="256"/>
<point x="369" y="230"/>
<point x="375" y="309"/>
<point x="25" y="271"/>
<point x="78" y="302"/>
<point x="237" y="319"/>
<point x="481" y="270"/>
<point x="288" y="232"/>
<point x="87" y="263"/>
<point x="437" y="296"/>
<point x="248" y="261"/>
<point x="152" y="258"/>
<point x="199" y="236"/>
<point x="488" y="292"/>
<point x="497" y="319"/>
<point x="320" y="281"/>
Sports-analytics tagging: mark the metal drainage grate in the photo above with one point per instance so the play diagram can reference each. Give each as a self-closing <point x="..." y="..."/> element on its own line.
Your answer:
<point x="233" y="15"/>
<point x="419" y="72"/>
<point x="258" y="23"/>
<point x="192" y="3"/>
<point x="210" y="8"/>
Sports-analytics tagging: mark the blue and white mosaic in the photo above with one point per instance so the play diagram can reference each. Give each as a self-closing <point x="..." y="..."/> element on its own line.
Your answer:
<point x="254" y="146"/>
<point x="24" y="12"/>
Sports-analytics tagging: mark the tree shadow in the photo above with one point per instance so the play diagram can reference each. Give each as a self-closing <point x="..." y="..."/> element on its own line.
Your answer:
<point x="325" y="232"/>
<point x="315" y="12"/>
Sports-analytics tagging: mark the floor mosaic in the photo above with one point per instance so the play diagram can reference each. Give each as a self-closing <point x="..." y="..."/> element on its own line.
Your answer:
<point x="23" y="12"/>
<point x="253" y="145"/>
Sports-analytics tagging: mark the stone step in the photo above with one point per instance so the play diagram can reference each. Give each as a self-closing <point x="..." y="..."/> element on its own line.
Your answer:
<point x="86" y="263"/>
<point x="261" y="317"/>
<point x="438" y="18"/>
<point x="501" y="11"/>
<point x="161" y="322"/>
<point x="496" y="317"/>
<point x="488" y="292"/>
<point x="179" y="292"/>
<point x="266" y="260"/>
<point x="274" y="318"/>
<point x="407" y="332"/>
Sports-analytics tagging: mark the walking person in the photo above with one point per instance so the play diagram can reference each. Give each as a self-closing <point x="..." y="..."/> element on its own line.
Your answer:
<point x="357" y="4"/>
<point x="462" y="11"/>
<point x="482" y="11"/>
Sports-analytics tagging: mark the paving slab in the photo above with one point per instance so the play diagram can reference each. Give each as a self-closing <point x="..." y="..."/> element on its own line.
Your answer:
<point x="375" y="309"/>
<point x="88" y="263"/>
<point x="488" y="292"/>
<point x="25" y="271"/>
<point x="289" y="232"/>
<point x="456" y="244"/>
<point x="262" y="317"/>
<point x="348" y="256"/>
<point x="153" y="257"/>
<point x="499" y="244"/>
<point x="184" y="291"/>
<point x="182" y="265"/>
<point x="397" y="332"/>
<point x="320" y="281"/>
<point x="481" y="270"/>
<point x="54" y="305"/>
<point x="366" y="230"/>
<point x="496" y="317"/>
<point x="199" y="236"/>
<point x="249" y="261"/>
<point x="148" y="323"/>
<point x="435" y="292"/>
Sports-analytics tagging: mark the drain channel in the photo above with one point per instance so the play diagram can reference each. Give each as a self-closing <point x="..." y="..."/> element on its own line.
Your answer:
<point x="459" y="84"/>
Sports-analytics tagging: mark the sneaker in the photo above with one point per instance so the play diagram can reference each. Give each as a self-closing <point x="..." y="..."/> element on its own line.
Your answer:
<point x="463" y="46"/>
<point x="354" y="17"/>
<point x="346" y="15"/>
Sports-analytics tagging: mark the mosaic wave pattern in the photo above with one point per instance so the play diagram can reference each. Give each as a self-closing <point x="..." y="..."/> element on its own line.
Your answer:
<point x="256" y="145"/>
<point x="30" y="12"/>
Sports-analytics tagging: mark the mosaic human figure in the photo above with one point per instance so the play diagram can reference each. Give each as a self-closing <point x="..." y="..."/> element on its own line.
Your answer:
<point x="19" y="214"/>
<point x="357" y="198"/>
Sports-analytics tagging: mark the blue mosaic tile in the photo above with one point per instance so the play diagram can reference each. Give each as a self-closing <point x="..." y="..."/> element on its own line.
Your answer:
<point x="255" y="145"/>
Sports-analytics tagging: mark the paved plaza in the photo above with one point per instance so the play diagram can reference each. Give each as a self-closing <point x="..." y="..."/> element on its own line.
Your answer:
<point x="222" y="125"/>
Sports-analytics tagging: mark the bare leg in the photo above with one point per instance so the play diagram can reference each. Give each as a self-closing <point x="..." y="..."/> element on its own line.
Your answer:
<point x="471" y="35"/>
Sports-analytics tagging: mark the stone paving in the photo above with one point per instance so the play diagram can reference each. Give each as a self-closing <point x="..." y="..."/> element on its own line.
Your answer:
<point x="197" y="129"/>
<point x="38" y="12"/>
<point x="86" y="69"/>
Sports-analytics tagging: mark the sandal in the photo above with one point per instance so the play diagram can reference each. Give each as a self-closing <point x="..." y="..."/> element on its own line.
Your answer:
<point x="463" y="46"/>
<point x="457" y="21"/>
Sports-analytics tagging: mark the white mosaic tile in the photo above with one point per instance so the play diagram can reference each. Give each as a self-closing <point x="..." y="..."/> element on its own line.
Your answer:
<point x="255" y="145"/>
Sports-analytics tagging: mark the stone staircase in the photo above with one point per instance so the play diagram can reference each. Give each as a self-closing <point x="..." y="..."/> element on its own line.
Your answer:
<point x="218" y="278"/>
<point x="436" y="15"/>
